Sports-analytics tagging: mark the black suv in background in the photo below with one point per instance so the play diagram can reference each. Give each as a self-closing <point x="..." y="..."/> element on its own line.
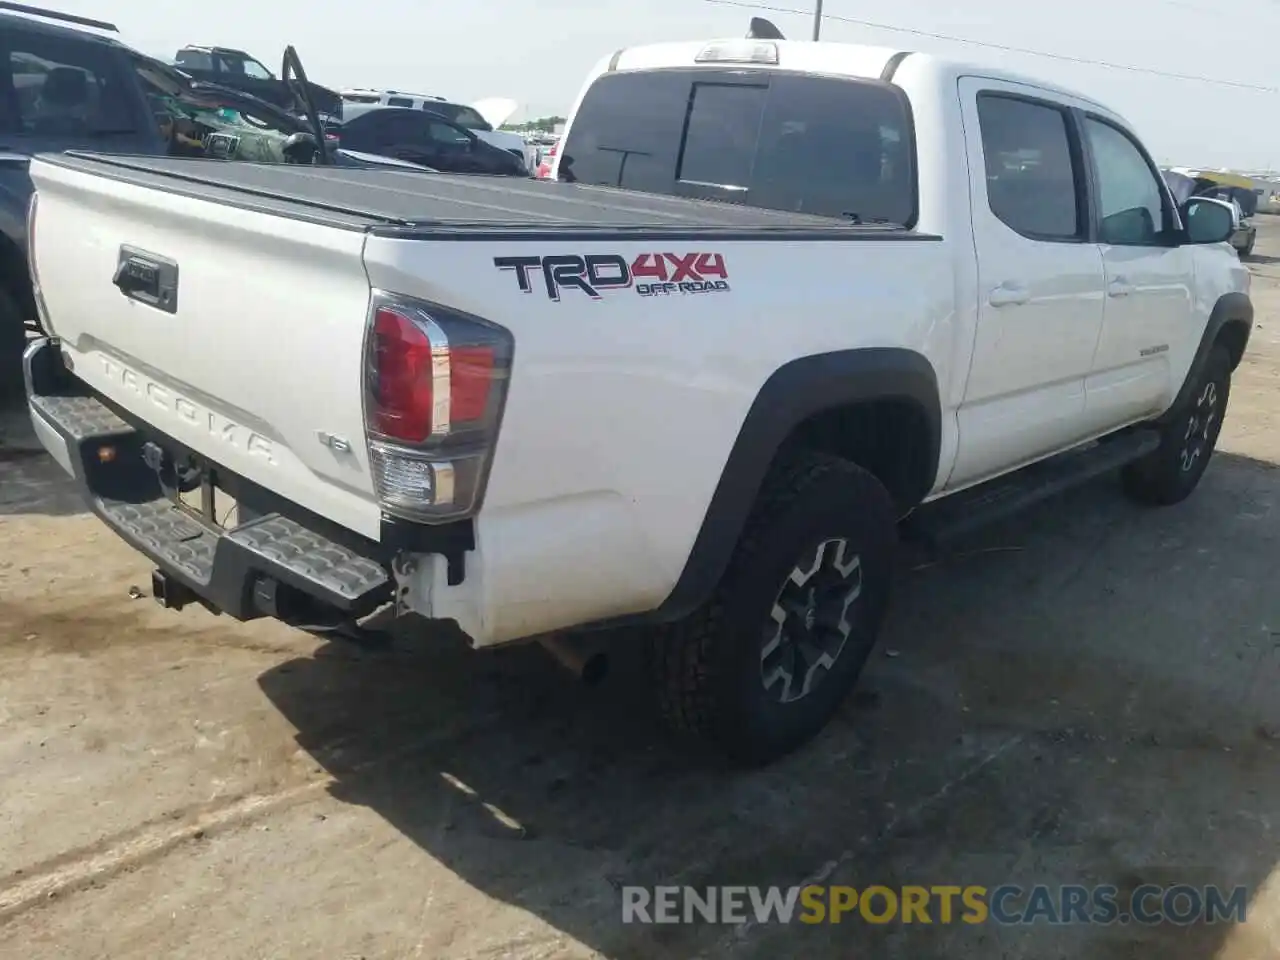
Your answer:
<point x="66" y="84"/>
<point x="237" y="69"/>
<point x="60" y="88"/>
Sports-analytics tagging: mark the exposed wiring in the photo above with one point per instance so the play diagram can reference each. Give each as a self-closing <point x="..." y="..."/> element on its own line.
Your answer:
<point x="1169" y="75"/>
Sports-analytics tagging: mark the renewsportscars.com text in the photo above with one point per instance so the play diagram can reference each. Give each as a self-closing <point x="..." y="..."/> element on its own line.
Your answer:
<point x="1008" y="904"/>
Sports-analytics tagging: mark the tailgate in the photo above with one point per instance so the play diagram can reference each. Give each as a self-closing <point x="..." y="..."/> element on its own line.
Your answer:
<point x="236" y="332"/>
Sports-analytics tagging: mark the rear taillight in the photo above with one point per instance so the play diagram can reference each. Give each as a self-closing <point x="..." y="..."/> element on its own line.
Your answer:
<point x="435" y="384"/>
<point x="403" y="375"/>
<point x="548" y="161"/>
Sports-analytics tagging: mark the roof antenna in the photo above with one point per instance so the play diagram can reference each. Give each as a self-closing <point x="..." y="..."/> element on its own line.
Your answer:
<point x="762" y="29"/>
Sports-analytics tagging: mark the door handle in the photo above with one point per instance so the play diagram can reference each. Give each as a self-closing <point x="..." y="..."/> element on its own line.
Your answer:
<point x="1119" y="287"/>
<point x="1008" y="295"/>
<point x="147" y="278"/>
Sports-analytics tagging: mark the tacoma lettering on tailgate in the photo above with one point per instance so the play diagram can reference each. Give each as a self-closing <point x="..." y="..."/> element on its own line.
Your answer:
<point x="649" y="275"/>
<point x="179" y="407"/>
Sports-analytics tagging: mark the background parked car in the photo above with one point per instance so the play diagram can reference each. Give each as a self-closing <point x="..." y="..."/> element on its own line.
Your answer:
<point x="546" y="161"/>
<point x="1243" y="203"/>
<point x="422" y="136"/>
<point x="1245" y="234"/>
<point x="237" y="69"/>
<point x="481" y="118"/>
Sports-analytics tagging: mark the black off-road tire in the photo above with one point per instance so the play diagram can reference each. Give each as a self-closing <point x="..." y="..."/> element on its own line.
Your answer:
<point x="814" y="516"/>
<point x="13" y="341"/>
<point x="1172" y="471"/>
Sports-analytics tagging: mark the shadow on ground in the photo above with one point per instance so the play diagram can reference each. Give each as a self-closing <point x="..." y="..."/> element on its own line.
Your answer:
<point x="30" y="481"/>
<point x="1084" y="695"/>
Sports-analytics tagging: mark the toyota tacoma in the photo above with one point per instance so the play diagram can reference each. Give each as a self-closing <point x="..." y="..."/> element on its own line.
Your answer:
<point x="799" y="300"/>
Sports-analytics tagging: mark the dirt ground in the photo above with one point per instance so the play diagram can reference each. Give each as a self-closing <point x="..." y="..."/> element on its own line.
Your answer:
<point x="1087" y="694"/>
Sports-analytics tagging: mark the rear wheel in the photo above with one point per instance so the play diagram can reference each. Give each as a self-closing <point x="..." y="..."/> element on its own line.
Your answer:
<point x="764" y="665"/>
<point x="1172" y="471"/>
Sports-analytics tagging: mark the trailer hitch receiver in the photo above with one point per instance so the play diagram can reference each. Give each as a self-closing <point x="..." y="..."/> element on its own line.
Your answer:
<point x="168" y="592"/>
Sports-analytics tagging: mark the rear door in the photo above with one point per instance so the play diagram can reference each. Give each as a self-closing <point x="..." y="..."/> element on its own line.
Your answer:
<point x="1040" y="279"/>
<point x="403" y="134"/>
<point x="366" y="132"/>
<point x="1148" y="278"/>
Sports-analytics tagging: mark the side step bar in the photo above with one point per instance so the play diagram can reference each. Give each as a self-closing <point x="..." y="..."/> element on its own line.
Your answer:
<point x="936" y="523"/>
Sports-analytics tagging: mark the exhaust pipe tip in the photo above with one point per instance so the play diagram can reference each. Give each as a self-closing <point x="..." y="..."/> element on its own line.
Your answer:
<point x="589" y="668"/>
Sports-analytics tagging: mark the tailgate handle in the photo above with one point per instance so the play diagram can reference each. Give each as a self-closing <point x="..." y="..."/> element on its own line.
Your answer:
<point x="148" y="278"/>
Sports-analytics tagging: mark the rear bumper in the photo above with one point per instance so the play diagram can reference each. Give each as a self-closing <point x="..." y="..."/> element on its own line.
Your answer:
<point x="257" y="568"/>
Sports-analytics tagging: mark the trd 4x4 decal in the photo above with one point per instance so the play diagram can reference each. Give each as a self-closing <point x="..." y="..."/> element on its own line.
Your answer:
<point x="650" y="274"/>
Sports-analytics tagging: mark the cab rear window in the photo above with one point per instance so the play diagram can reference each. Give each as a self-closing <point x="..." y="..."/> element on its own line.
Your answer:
<point x="817" y="145"/>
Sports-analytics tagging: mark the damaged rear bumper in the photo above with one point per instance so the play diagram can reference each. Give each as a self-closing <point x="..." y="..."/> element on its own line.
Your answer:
<point x="270" y="565"/>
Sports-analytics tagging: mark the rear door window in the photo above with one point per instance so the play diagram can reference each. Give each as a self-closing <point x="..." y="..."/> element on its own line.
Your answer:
<point x="195" y="60"/>
<point x="402" y="127"/>
<point x="56" y="87"/>
<point x="815" y="145"/>
<point x="1033" y="181"/>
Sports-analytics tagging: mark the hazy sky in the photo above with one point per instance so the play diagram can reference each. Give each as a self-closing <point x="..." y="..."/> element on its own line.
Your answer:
<point x="538" y="51"/>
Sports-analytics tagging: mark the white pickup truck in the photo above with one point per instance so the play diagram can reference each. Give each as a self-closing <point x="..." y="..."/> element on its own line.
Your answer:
<point x="538" y="408"/>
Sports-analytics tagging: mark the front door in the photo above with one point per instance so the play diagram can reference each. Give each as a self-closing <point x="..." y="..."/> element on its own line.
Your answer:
<point x="1148" y="281"/>
<point x="1040" y="280"/>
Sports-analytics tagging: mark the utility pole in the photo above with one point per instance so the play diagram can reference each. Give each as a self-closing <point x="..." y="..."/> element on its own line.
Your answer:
<point x="817" y="18"/>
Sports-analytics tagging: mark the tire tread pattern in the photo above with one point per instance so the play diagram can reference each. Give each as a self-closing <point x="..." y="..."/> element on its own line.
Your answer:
<point x="681" y="653"/>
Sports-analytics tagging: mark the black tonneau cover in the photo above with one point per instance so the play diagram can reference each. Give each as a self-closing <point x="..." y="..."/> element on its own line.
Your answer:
<point x="385" y="198"/>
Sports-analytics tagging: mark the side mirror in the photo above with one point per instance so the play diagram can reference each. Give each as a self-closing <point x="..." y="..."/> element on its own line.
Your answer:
<point x="1208" y="220"/>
